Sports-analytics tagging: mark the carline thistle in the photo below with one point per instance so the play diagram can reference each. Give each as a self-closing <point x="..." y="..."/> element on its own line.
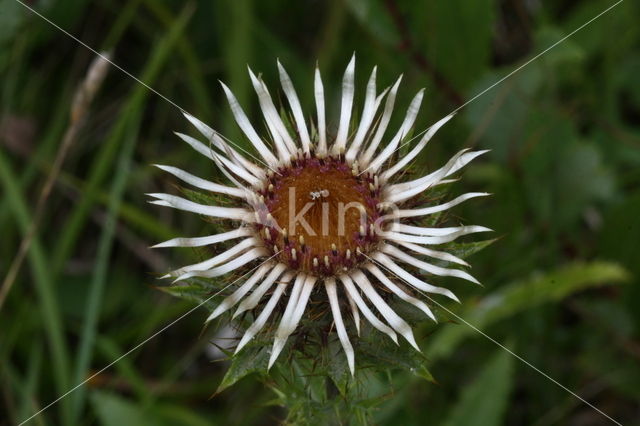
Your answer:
<point x="316" y="211"/>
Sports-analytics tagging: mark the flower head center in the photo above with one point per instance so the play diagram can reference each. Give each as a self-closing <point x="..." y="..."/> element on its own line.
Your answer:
<point x="322" y="215"/>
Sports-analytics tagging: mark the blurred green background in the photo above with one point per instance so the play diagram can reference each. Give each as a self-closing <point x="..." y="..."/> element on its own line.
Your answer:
<point x="560" y="284"/>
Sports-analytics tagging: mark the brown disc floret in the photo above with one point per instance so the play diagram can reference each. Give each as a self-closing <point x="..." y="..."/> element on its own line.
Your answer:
<point x="320" y="215"/>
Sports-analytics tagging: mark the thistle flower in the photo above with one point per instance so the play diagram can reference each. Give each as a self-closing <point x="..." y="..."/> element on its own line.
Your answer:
<point x="326" y="213"/>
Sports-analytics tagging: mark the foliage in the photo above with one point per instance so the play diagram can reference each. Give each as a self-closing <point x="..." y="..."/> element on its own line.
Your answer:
<point x="564" y="135"/>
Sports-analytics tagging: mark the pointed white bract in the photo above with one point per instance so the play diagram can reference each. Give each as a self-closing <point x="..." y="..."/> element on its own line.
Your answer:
<point x="332" y="295"/>
<point x="362" y="306"/>
<point x="179" y="203"/>
<point x="407" y="124"/>
<point x="262" y="318"/>
<point x="230" y="301"/>
<point x="236" y="263"/>
<point x="437" y="208"/>
<point x="397" y="323"/>
<point x="432" y="269"/>
<point x="288" y="320"/>
<point x="463" y="230"/>
<point x="404" y="191"/>
<point x="202" y="183"/>
<point x="366" y="156"/>
<point x="214" y="138"/>
<point x="447" y="257"/>
<point x="345" y="107"/>
<point x="401" y="261"/>
<point x="371" y="104"/>
<point x="296" y="109"/>
<point x="252" y="301"/>
<point x="385" y="176"/>
<point x="281" y="137"/>
<point x="389" y="264"/>
<point x="322" y="123"/>
<point x="247" y="128"/>
<point x="382" y="278"/>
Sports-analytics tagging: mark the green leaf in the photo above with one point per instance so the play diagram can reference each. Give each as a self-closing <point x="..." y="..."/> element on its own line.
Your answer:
<point x="113" y="410"/>
<point x="337" y="366"/>
<point x="373" y="17"/>
<point x="518" y="297"/>
<point x="381" y="351"/>
<point x="460" y="26"/>
<point x="504" y="110"/>
<point x="484" y="401"/>
<point x="253" y="358"/>
<point x="195" y="290"/>
<point x="183" y="415"/>
<point x="464" y="250"/>
<point x="11" y="17"/>
<point x="567" y="52"/>
<point x="560" y="187"/>
<point x="582" y="178"/>
<point x="208" y="198"/>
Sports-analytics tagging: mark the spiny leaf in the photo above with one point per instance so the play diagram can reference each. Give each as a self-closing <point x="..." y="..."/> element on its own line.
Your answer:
<point x="206" y="198"/>
<point x="252" y="359"/>
<point x="338" y="369"/>
<point x="385" y="354"/>
<point x="464" y="250"/>
<point x="195" y="290"/>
